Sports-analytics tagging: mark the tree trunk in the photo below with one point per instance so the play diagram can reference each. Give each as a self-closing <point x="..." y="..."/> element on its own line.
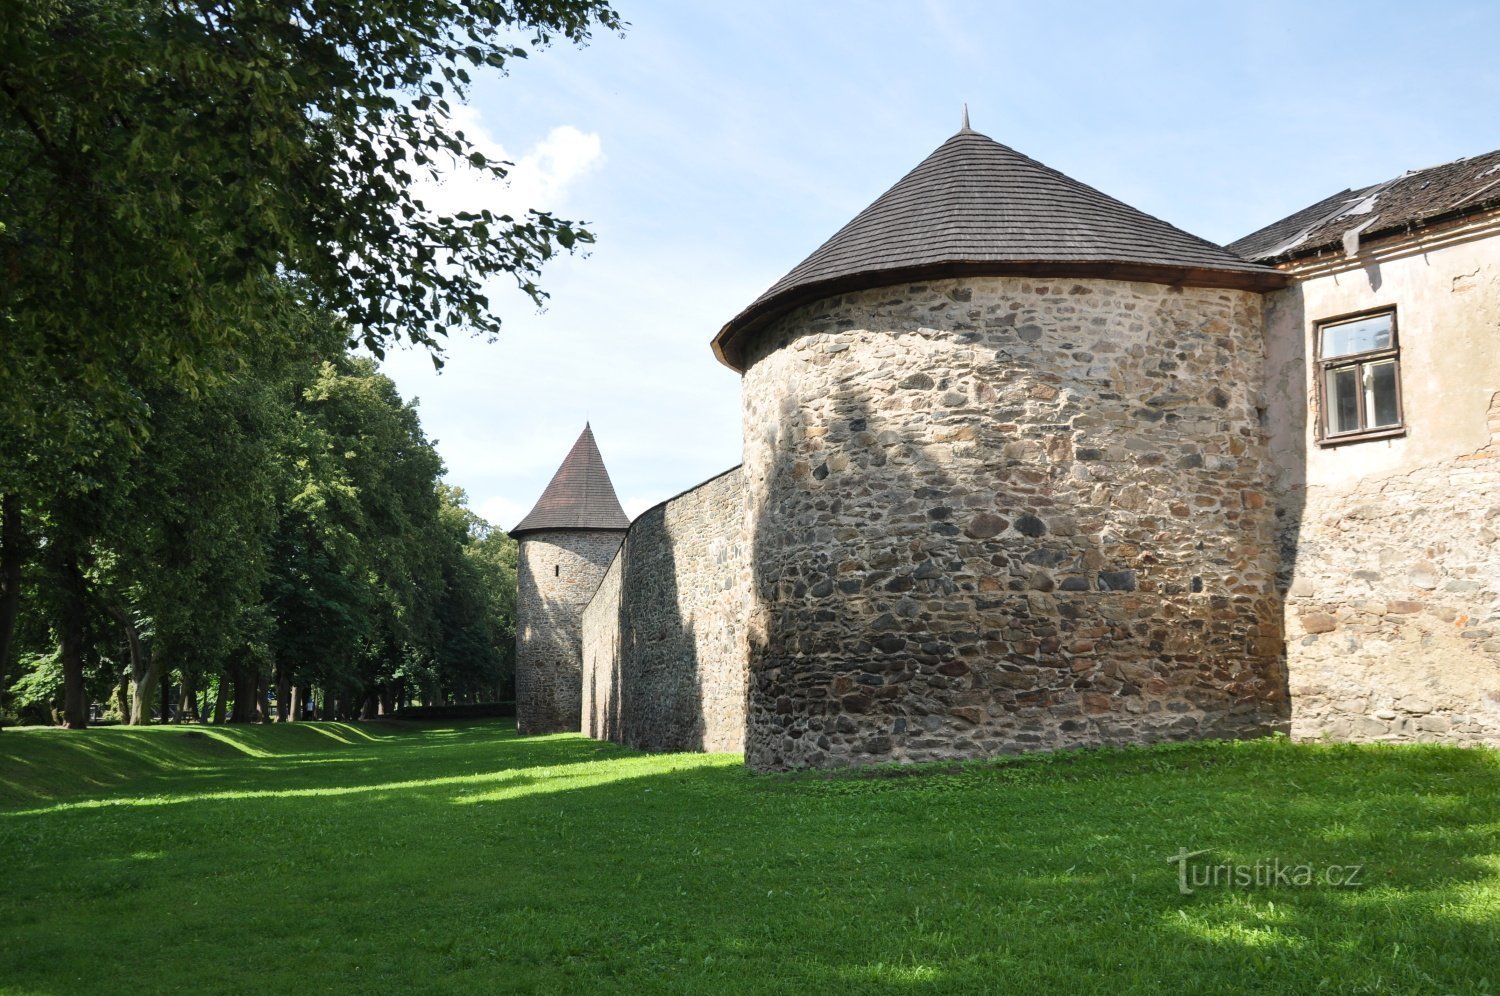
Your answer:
<point x="146" y="675"/>
<point x="244" y="693"/>
<point x="71" y="624"/>
<point x="372" y="702"/>
<point x="283" y="692"/>
<point x="122" y="696"/>
<point x="294" y="704"/>
<point x="10" y="581"/>
<point x="142" y="676"/>
<point x="187" y="698"/>
<point x="221" y="697"/>
<point x="387" y="706"/>
<point x="166" y="695"/>
<point x="262" y="699"/>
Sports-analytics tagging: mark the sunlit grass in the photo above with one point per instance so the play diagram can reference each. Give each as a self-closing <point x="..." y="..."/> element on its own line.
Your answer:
<point x="458" y="857"/>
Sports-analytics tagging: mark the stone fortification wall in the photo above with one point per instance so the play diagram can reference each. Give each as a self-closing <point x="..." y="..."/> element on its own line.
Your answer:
<point x="557" y="573"/>
<point x="664" y="638"/>
<point x="1005" y="514"/>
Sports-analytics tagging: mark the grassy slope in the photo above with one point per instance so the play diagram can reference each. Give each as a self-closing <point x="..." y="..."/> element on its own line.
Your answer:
<point x="461" y="858"/>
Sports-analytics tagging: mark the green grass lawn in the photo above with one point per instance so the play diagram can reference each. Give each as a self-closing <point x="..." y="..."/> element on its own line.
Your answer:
<point x="462" y="858"/>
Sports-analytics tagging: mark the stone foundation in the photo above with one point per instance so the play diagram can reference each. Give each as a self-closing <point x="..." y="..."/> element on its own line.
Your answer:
<point x="664" y="638"/>
<point x="1007" y="514"/>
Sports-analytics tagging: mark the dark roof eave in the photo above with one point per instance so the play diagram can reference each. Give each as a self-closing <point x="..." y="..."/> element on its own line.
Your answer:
<point x="728" y="344"/>
<point x="517" y="533"/>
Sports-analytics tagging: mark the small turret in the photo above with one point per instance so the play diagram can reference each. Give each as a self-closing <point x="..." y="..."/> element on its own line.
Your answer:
<point x="566" y="544"/>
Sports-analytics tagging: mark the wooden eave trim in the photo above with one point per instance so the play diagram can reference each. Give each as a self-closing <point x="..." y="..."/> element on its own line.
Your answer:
<point x="517" y="534"/>
<point x="728" y="345"/>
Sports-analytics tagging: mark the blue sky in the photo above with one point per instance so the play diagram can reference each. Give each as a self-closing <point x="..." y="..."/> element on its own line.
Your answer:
<point x="715" y="145"/>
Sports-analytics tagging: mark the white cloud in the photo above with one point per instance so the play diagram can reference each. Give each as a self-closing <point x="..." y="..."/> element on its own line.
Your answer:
<point x="501" y="512"/>
<point x="539" y="178"/>
<point x="504" y="414"/>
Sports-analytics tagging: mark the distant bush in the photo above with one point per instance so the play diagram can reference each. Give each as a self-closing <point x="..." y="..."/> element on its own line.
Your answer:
<point x="481" y="710"/>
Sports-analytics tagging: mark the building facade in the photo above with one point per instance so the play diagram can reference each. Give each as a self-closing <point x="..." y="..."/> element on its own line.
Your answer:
<point x="1025" y="468"/>
<point x="1383" y="403"/>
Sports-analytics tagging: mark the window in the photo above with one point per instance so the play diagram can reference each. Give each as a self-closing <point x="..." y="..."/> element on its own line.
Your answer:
<point x="1359" y="378"/>
<point x="557" y="570"/>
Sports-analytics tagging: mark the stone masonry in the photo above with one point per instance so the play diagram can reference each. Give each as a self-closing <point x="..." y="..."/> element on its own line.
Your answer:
<point x="1393" y="607"/>
<point x="1390" y="562"/>
<point x="556" y="576"/>
<point x="1004" y="513"/>
<point x="664" y="648"/>
<point x="1027" y="469"/>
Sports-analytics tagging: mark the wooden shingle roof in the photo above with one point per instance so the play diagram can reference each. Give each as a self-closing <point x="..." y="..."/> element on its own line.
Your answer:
<point x="580" y="495"/>
<point x="1415" y="200"/>
<point x="976" y="207"/>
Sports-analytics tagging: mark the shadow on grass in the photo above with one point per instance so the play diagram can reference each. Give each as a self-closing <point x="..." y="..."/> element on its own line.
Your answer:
<point x="1052" y="872"/>
<point x="46" y="765"/>
<point x="559" y="864"/>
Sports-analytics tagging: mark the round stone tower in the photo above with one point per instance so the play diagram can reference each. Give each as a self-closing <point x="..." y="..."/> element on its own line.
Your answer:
<point x="1004" y="466"/>
<point x="566" y="544"/>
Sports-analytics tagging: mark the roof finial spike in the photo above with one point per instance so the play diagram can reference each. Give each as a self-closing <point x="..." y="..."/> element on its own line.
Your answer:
<point x="966" y="118"/>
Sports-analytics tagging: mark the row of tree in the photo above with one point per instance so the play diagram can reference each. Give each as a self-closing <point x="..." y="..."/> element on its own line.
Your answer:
<point x="203" y="206"/>
<point x="283" y="537"/>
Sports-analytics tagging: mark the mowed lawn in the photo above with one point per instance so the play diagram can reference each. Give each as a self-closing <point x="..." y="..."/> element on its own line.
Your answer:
<point x="460" y="858"/>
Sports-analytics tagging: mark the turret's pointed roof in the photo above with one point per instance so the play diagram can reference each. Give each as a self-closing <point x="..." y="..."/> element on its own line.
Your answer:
<point x="976" y="207"/>
<point x="580" y="495"/>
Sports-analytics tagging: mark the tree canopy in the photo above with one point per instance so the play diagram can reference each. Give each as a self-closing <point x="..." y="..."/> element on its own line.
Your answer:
<point x="172" y="170"/>
<point x="204" y="204"/>
<point x="286" y="537"/>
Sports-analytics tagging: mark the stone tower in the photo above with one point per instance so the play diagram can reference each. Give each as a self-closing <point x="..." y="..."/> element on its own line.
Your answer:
<point x="1003" y="463"/>
<point x="566" y="543"/>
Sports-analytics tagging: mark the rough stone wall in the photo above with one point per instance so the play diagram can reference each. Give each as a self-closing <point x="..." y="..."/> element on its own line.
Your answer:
<point x="1008" y="514"/>
<point x="1390" y="554"/>
<point x="664" y="639"/>
<point x="557" y="573"/>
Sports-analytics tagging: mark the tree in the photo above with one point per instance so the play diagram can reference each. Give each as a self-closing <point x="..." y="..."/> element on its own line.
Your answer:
<point x="12" y="560"/>
<point x="476" y="618"/>
<point x="169" y="165"/>
<point x="186" y="544"/>
<point x="179" y="180"/>
<point x="354" y="577"/>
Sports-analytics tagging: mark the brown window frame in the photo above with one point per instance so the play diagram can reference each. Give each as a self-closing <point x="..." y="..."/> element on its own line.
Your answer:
<point x="1356" y="361"/>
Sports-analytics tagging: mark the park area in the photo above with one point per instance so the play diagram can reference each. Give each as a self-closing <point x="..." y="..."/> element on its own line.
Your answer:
<point x="385" y="857"/>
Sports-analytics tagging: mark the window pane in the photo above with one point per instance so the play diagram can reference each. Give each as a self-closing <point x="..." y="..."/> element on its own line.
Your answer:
<point x="1359" y="336"/>
<point x="1380" y="394"/>
<point x="1342" y="392"/>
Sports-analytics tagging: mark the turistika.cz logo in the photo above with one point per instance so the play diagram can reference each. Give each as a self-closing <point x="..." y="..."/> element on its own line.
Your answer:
<point x="1267" y="873"/>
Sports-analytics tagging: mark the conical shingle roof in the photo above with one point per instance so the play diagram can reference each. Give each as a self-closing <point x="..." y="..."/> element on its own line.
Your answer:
<point x="580" y="495"/>
<point x="977" y="208"/>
